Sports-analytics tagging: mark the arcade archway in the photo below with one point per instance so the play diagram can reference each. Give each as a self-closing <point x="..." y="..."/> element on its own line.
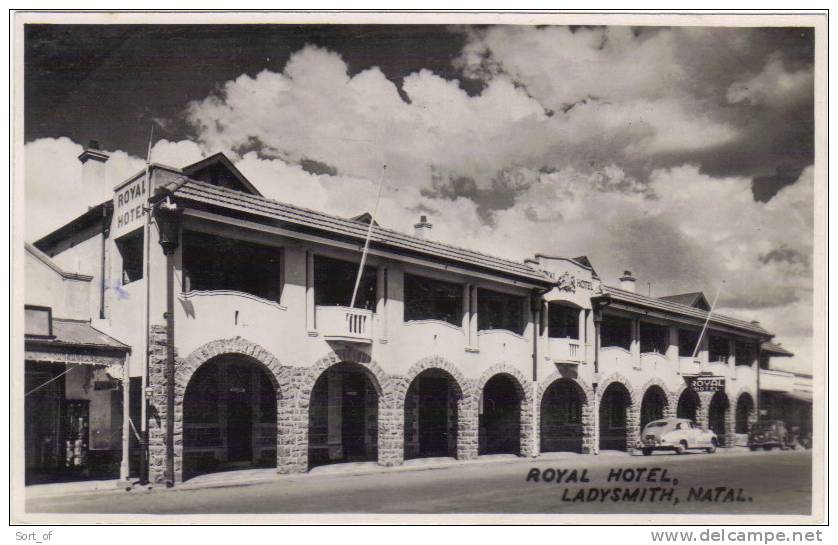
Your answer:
<point x="431" y="415"/>
<point x="718" y="413"/>
<point x="343" y="416"/>
<point x="229" y="416"/>
<point x="688" y="405"/>
<point x="744" y="413"/>
<point x="613" y="417"/>
<point x="562" y="407"/>
<point x="499" y="418"/>
<point x="654" y="405"/>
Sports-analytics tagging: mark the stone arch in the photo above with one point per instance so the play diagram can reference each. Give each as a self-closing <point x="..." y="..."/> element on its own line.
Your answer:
<point x="277" y="374"/>
<point x="725" y="421"/>
<point x="435" y="362"/>
<point x="656" y="383"/>
<point x="744" y="395"/>
<point x="588" y="417"/>
<point x="504" y="368"/>
<point x="632" y="411"/>
<point x="556" y="375"/>
<point x="466" y="406"/>
<point x="525" y="392"/>
<point x="378" y="378"/>
<point x="701" y="408"/>
<point x="381" y="381"/>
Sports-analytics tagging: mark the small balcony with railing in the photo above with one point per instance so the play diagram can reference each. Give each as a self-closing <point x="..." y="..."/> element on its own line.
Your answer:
<point x="336" y="317"/>
<point x="567" y="350"/>
<point x="563" y="333"/>
<point x="339" y="323"/>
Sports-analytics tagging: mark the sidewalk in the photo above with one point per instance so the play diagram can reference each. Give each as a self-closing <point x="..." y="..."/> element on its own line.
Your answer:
<point x="71" y="488"/>
<point x="246" y="477"/>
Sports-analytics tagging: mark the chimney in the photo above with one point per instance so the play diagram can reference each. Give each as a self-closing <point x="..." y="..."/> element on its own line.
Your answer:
<point x="627" y="281"/>
<point x="423" y="228"/>
<point x="93" y="166"/>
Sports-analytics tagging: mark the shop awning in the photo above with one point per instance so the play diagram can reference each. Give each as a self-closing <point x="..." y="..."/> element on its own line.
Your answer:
<point x="75" y="342"/>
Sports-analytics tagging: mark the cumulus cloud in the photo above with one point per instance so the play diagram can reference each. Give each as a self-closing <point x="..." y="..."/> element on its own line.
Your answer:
<point x="599" y="148"/>
<point x="774" y="86"/>
<point x="663" y="96"/>
<point x="55" y="191"/>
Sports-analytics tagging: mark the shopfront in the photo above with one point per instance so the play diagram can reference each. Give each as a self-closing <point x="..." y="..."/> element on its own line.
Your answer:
<point x="73" y="401"/>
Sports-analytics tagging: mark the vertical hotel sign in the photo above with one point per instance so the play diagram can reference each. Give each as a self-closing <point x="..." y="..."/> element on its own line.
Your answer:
<point x="129" y="206"/>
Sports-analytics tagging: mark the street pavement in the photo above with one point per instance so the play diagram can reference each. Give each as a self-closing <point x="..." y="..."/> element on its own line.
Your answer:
<point x="727" y="482"/>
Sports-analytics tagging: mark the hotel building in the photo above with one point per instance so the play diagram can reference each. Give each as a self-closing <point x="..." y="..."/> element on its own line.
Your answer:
<point x="233" y="314"/>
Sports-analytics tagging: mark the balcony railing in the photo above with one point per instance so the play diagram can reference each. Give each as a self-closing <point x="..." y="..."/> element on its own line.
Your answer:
<point x="566" y="350"/>
<point x="344" y="324"/>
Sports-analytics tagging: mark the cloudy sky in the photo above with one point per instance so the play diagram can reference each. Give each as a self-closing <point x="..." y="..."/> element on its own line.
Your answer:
<point x="682" y="154"/>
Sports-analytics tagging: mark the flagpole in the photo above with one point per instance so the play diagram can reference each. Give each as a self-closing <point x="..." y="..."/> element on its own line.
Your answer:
<point x="706" y="322"/>
<point x="146" y="318"/>
<point x="367" y="241"/>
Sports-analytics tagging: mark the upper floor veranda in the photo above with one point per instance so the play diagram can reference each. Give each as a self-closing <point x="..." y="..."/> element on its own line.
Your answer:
<point x="283" y="277"/>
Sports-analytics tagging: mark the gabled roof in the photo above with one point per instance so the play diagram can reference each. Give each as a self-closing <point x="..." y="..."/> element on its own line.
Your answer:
<point x="299" y="218"/>
<point x="220" y="160"/>
<point x="78" y="334"/>
<point x="366" y="217"/>
<point x="585" y="262"/>
<point x="693" y="299"/>
<point x="636" y="299"/>
<point x="776" y="350"/>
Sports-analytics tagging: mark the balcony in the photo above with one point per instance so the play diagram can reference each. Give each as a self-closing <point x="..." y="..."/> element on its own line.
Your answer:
<point x="567" y="350"/>
<point x="336" y="323"/>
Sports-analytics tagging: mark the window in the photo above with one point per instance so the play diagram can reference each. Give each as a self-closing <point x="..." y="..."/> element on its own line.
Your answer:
<point x="745" y="353"/>
<point x="654" y="338"/>
<point x="37" y="321"/>
<point x="131" y="249"/>
<point x="212" y="262"/>
<point x="687" y="341"/>
<point x="334" y="280"/>
<point x="562" y="321"/>
<point x="616" y="332"/>
<point x="719" y="348"/>
<point x="500" y="311"/>
<point x="427" y="299"/>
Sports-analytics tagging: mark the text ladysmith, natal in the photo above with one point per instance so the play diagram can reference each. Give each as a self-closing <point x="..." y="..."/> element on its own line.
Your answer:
<point x="664" y="492"/>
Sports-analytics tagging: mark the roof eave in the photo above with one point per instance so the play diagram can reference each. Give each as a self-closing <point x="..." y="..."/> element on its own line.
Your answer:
<point x="752" y="331"/>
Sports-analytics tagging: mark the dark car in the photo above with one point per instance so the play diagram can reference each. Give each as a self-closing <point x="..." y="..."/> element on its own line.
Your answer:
<point x="768" y="434"/>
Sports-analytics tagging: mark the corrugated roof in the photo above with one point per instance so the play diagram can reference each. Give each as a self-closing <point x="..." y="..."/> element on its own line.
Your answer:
<point x="78" y="334"/>
<point x="683" y="310"/>
<point x="303" y="217"/>
<point x="776" y="349"/>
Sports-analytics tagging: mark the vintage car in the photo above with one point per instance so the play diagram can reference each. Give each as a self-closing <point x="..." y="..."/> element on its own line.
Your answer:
<point x="767" y="434"/>
<point x="677" y="435"/>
